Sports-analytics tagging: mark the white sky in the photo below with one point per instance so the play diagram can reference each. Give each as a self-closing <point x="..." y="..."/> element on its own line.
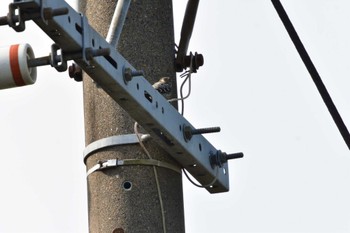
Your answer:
<point x="296" y="171"/>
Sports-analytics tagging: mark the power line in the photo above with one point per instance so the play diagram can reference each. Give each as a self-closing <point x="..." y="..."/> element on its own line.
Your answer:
<point x="313" y="72"/>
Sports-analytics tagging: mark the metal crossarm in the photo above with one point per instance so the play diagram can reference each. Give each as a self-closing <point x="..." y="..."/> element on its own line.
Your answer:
<point x="80" y="42"/>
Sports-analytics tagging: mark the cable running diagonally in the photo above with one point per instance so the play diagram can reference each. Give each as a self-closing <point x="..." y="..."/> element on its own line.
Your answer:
<point x="313" y="72"/>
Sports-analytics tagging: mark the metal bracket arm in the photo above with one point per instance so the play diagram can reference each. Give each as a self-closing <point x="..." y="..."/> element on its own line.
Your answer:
<point x="74" y="35"/>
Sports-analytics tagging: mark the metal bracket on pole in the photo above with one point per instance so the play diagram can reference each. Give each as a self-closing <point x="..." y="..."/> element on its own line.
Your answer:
<point x="100" y="60"/>
<point x="117" y="23"/>
<point x="183" y="61"/>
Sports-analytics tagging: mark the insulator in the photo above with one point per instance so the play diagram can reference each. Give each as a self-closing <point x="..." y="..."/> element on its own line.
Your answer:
<point x="14" y="70"/>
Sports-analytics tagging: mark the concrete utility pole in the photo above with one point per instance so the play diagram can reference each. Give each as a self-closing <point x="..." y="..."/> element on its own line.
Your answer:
<point x="126" y="198"/>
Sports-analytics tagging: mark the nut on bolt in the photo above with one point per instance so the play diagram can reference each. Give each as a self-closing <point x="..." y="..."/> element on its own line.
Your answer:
<point x="220" y="158"/>
<point x="75" y="72"/>
<point x="129" y="74"/>
<point x="49" y="13"/>
<point x="197" y="60"/>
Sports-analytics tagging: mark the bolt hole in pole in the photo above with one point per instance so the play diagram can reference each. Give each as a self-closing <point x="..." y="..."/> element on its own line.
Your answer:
<point x="127" y="185"/>
<point x="118" y="230"/>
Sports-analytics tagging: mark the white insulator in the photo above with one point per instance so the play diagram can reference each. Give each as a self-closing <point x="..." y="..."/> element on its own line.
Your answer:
<point x="14" y="70"/>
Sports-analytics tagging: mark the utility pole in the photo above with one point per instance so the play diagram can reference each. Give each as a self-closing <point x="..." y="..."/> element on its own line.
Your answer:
<point x="130" y="188"/>
<point x="126" y="198"/>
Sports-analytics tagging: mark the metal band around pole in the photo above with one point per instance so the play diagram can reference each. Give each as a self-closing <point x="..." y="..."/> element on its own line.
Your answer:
<point x="118" y="140"/>
<point x="130" y="162"/>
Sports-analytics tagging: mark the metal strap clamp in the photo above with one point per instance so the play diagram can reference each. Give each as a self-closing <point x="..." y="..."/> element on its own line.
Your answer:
<point x="118" y="140"/>
<point x="101" y="165"/>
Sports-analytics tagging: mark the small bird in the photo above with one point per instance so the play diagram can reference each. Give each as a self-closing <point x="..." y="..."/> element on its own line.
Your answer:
<point x="163" y="86"/>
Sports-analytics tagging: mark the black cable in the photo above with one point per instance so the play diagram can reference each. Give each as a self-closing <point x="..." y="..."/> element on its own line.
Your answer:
<point x="186" y="33"/>
<point x="312" y="70"/>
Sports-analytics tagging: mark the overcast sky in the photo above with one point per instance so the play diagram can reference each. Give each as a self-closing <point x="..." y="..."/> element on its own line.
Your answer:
<point x="296" y="171"/>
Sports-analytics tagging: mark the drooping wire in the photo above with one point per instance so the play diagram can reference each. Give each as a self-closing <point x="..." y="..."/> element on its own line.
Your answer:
<point x="188" y="74"/>
<point x="313" y="72"/>
<point x="155" y="176"/>
<point x="206" y="185"/>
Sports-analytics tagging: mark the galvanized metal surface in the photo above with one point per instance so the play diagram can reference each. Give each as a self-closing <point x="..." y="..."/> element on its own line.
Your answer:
<point x="118" y="140"/>
<point x="74" y="35"/>
<point x="113" y="163"/>
<point x="117" y="23"/>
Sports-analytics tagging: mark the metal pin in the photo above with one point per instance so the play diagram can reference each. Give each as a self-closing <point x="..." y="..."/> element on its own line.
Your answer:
<point x="220" y="158"/>
<point x="49" y="13"/>
<point x="129" y="74"/>
<point x="188" y="132"/>
<point x="41" y="61"/>
<point x="90" y="53"/>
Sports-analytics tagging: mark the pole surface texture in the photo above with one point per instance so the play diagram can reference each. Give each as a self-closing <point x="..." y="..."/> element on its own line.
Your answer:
<point x="126" y="198"/>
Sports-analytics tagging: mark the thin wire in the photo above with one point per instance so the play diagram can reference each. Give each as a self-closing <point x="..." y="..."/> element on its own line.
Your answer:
<point x="182" y="98"/>
<point x="188" y="75"/>
<point x="140" y="141"/>
<point x="155" y="175"/>
<point x="188" y="94"/>
<point x="206" y="185"/>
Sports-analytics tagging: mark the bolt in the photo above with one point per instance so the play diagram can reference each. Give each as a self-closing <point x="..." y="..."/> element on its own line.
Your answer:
<point x="49" y="13"/>
<point x="75" y="72"/>
<point x="188" y="132"/>
<point x="220" y="158"/>
<point x="234" y="156"/>
<point x="41" y="61"/>
<point x="129" y="74"/>
<point x="101" y="52"/>
<point x="90" y="53"/>
<point x="205" y="130"/>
